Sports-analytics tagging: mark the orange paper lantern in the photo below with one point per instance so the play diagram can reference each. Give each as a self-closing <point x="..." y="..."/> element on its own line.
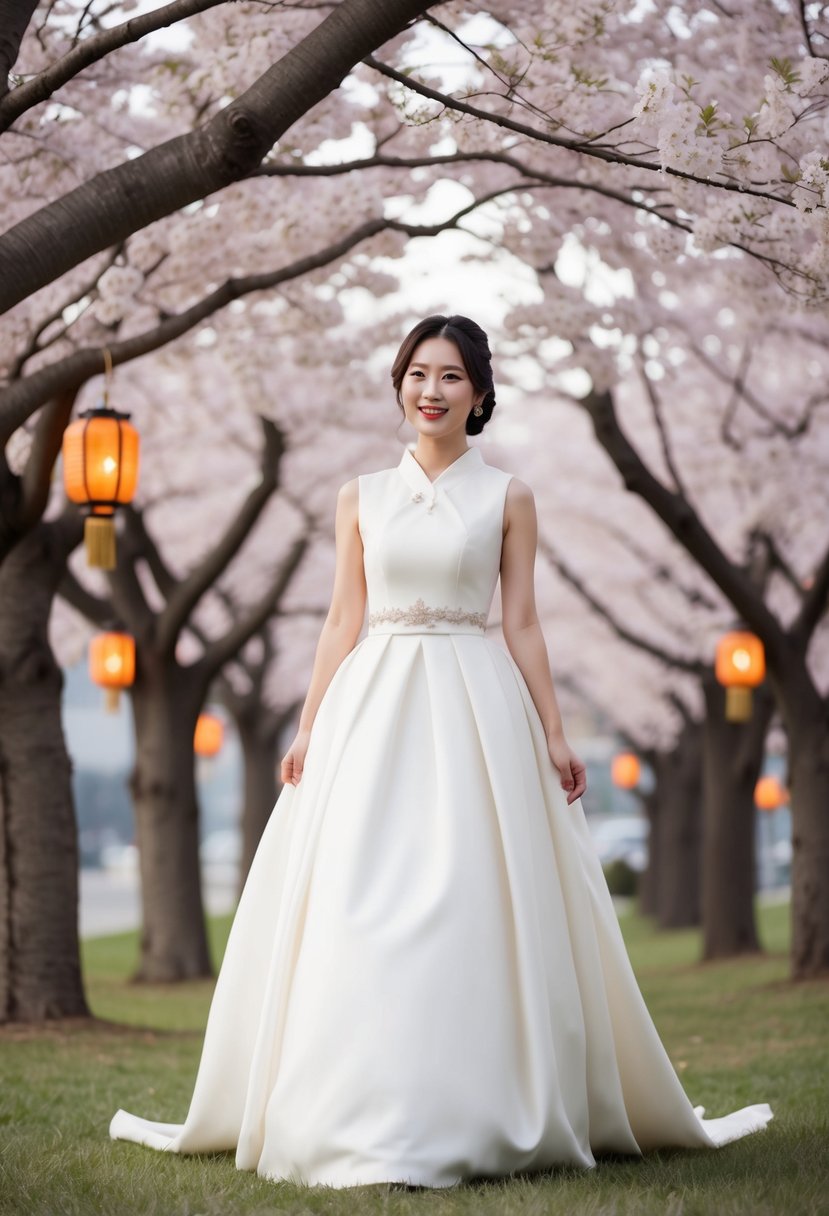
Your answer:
<point x="625" y="770"/>
<point x="769" y="794"/>
<point x="740" y="666"/>
<point x="209" y="735"/>
<point x="100" y="471"/>
<point x="112" y="664"/>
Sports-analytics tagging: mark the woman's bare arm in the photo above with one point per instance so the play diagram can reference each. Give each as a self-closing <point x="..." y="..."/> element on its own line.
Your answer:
<point x="522" y="631"/>
<point x="342" y="624"/>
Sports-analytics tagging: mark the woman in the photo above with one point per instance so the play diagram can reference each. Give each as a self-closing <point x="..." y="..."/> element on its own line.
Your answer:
<point x="425" y="979"/>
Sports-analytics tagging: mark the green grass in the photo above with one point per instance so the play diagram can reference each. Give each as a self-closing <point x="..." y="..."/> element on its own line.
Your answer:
<point x="738" y="1032"/>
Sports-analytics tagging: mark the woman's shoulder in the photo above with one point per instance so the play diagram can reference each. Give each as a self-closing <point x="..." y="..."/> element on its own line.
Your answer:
<point x="515" y="488"/>
<point x="518" y="490"/>
<point x="350" y="491"/>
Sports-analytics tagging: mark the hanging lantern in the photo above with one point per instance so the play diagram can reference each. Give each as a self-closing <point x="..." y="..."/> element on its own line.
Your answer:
<point x="740" y="666"/>
<point x="112" y="664"/>
<point x="625" y="770"/>
<point x="769" y="794"/>
<point x="100" y="471"/>
<point x="209" y="735"/>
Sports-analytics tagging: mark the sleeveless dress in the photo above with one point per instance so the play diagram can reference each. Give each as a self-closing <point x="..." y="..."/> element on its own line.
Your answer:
<point x="425" y="979"/>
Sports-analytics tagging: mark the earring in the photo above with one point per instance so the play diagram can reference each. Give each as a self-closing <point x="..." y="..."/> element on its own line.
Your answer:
<point x="478" y="410"/>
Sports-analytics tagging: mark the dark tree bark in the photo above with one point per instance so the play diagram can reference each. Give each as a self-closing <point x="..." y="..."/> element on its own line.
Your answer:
<point x="806" y="716"/>
<point x="117" y="202"/>
<point x="259" y="738"/>
<point x="669" y="888"/>
<point x="651" y="803"/>
<point x="166" y="701"/>
<point x="804" y="710"/>
<point x="678" y="889"/>
<point x="15" y="16"/>
<point x="733" y="761"/>
<point x="40" y="974"/>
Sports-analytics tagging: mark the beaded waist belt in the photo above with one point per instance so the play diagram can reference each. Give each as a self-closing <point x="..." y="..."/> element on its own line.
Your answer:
<point x="421" y="618"/>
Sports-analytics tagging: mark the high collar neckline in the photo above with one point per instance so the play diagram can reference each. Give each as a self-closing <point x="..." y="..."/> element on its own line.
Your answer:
<point x="416" y="478"/>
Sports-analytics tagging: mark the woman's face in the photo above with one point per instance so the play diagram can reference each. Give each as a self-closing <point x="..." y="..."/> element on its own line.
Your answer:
<point x="436" y="392"/>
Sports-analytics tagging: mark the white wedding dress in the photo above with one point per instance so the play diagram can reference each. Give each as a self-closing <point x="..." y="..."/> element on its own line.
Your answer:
<point x="425" y="980"/>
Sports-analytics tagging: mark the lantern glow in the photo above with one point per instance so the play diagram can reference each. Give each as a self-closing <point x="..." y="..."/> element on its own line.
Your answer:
<point x="740" y="666"/>
<point x="625" y="770"/>
<point x="209" y="735"/>
<point x="112" y="664"/>
<point x="770" y="794"/>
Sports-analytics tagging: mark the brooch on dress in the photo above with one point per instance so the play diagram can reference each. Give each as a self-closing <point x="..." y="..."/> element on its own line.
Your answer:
<point x="419" y="496"/>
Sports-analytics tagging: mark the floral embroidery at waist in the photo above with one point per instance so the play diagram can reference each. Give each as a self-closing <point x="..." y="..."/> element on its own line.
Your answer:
<point x="420" y="613"/>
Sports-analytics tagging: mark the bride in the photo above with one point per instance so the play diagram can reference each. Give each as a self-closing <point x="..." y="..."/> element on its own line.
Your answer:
<point x="425" y="979"/>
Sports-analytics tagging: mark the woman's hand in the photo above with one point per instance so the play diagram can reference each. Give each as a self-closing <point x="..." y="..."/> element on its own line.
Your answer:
<point x="572" y="772"/>
<point x="294" y="759"/>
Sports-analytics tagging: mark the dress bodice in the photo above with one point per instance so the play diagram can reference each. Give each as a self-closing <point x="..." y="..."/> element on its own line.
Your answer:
<point x="432" y="550"/>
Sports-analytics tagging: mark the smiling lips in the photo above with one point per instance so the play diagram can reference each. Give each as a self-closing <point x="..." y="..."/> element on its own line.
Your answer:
<point x="430" y="411"/>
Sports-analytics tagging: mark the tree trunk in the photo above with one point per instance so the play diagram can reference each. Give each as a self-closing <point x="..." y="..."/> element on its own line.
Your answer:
<point x="678" y="883"/>
<point x="258" y="736"/>
<point x="807" y="724"/>
<point x="732" y="762"/>
<point x="649" y="878"/>
<point x="40" y="974"/>
<point x="166" y="703"/>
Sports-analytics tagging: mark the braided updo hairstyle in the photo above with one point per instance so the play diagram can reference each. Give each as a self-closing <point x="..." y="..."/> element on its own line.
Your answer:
<point x="473" y="346"/>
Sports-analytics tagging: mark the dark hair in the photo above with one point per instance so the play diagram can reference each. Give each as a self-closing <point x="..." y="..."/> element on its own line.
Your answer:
<point x="473" y="346"/>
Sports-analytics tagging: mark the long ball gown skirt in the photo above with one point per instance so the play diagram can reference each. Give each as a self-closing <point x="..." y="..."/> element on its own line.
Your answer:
<point x="425" y="979"/>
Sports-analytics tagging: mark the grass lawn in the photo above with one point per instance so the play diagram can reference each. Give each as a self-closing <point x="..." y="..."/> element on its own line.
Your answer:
<point x="738" y="1032"/>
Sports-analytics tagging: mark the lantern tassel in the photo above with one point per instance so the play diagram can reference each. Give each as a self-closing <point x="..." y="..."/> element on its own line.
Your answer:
<point x="99" y="538"/>
<point x="737" y="704"/>
<point x="112" y="700"/>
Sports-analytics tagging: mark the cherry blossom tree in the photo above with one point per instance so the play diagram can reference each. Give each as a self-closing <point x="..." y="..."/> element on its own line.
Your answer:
<point x="697" y="419"/>
<point x="167" y="697"/>
<point x="610" y="551"/>
<point x="217" y="193"/>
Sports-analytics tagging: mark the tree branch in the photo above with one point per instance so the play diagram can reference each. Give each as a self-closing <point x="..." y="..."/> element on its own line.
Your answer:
<point x="129" y="603"/>
<point x="680" y="518"/>
<point x="610" y="155"/>
<point x="658" y="417"/>
<point x="692" y="666"/>
<point x="37" y="476"/>
<point x="740" y="391"/>
<point x="96" y="610"/>
<point x="23" y="397"/>
<point x="454" y="158"/>
<point x="223" y="649"/>
<point x="34" y="345"/>
<point x="110" y="206"/>
<point x="804" y="25"/>
<point x="189" y="591"/>
<point x="814" y="603"/>
<point x="164" y="579"/>
<point x="15" y="16"/>
<point x="42" y="86"/>
<point x="778" y="562"/>
<point x="658" y="570"/>
<point x="67" y="530"/>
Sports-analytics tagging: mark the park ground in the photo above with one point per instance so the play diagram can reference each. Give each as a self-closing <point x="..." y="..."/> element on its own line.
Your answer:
<point x="737" y="1032"/>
